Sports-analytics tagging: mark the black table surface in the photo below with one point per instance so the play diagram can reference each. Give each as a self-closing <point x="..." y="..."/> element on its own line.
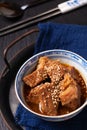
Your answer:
<point x="78" y="16"/>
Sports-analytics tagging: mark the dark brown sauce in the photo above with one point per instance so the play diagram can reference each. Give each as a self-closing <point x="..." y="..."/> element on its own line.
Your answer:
<point x="62" y="109"/>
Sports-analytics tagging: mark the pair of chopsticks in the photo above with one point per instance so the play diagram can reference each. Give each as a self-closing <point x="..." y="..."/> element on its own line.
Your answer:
<point x="61" y="8"/>
<point x="29" y="21"/>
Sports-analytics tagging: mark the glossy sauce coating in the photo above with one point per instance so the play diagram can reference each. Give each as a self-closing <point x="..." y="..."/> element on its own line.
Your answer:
<point x="61" y="109"/>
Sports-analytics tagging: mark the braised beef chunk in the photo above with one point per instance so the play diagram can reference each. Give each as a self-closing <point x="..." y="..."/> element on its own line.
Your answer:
<point x="46" y="67"/>
<point x="44" y="95"/>
<point x="61" y="92"/>
<point x="37" y="76"/>
<point x="34" y="95"/>
<point x="69" y="92"/>
<point x="55" y="70"/>
<point x="43" y="61"/>
<point x="46" y="105"/>
<point x="75" y="74"/>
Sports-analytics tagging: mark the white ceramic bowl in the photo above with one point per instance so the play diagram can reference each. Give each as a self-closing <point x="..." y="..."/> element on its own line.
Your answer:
<point x="66" y="57"/>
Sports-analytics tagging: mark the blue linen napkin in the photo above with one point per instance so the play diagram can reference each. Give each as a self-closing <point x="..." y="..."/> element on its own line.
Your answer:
<point x="57" y="36"/>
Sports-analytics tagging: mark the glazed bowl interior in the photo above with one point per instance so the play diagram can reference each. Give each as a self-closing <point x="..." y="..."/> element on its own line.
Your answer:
<point x="66" y="57"/>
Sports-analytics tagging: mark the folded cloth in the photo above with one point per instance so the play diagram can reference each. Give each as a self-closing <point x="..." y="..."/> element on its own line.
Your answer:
<point x="57" y="36"/>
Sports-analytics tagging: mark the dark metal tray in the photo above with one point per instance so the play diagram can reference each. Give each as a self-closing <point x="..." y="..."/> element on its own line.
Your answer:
<point x="8" y="100"/>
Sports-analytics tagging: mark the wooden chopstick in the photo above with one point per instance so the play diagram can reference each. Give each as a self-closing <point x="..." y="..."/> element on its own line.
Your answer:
<point x="29" y="21"/>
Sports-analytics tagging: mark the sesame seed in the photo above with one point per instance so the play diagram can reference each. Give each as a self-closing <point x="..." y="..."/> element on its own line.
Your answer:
<point x="47" y="96"/>
<point x="44" y="101"/>
<point x="42" y="93"/>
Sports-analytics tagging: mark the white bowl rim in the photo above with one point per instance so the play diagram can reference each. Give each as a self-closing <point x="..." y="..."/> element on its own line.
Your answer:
<point x="53" y="50"/>
<point x="41" y="115"/>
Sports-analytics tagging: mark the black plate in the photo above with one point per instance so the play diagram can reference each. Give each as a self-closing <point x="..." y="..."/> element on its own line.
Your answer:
<point x="6" y="82"/>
